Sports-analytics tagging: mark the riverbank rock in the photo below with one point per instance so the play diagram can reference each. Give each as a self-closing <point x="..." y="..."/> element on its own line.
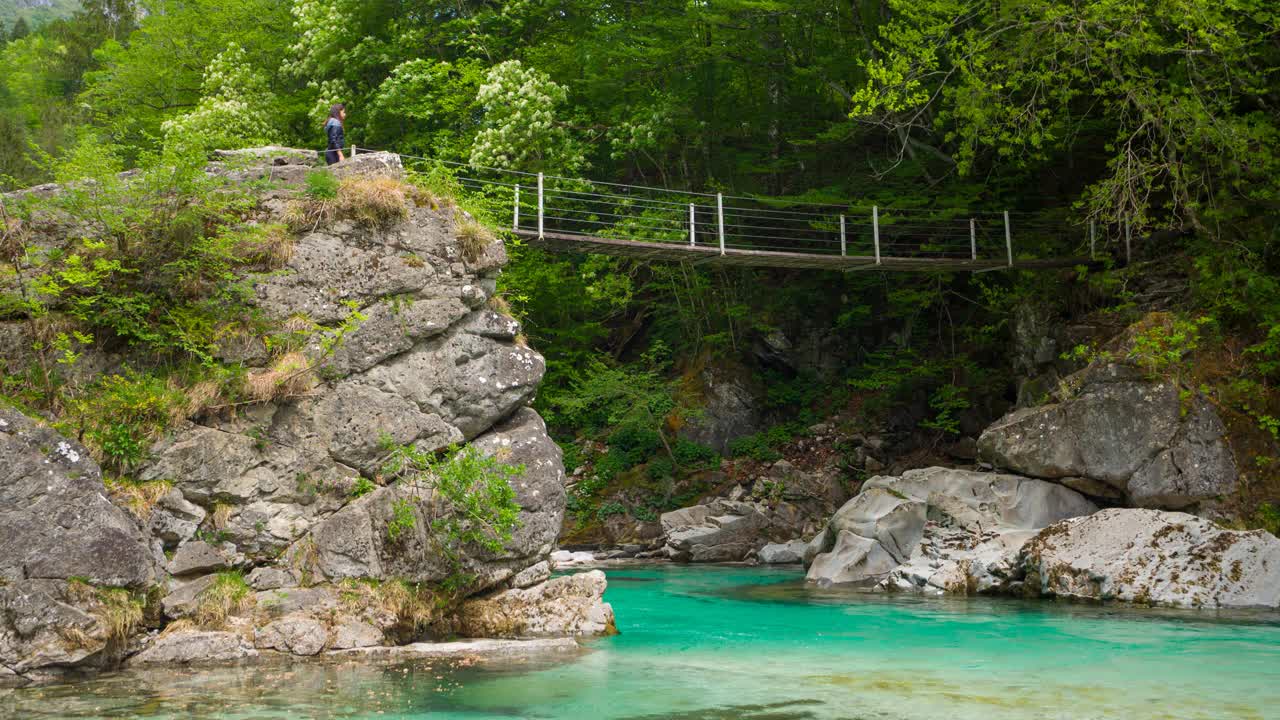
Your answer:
<point x="196" y="647"/>
<point x="56" y="522"/>
<point x="1155" y="557"/>
<point x="46" y="627"/>
<point x="570" y="605"/>
<point x="937" y="530"/>
<point x="782" y="553"/>
<point x="1119" y="437"/>
<point x="721" y="531"/>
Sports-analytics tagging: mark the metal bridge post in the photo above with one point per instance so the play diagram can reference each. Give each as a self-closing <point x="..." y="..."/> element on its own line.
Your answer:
<point x="693" y="240"/>
<point x="720" y="214"/>
<point x="1008" y="238"/>
<point x="843" y="245"/>
<point x="515" y="216"/>
<point x="973" y="239"/>
<point x="875" y="230"/>
<point x="540" y="206"/>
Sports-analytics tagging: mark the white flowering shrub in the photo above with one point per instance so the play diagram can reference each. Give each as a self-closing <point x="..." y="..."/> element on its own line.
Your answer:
<point x="327" y="34"/>
<point x="234" y="108"/>
<point x="520" y="130"/>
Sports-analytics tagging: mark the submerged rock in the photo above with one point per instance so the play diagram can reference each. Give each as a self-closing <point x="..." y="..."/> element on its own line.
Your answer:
<point x="565" y="606"/>
<point x="937" y="530"/>
<point x="1150" y="556"/>
<point x="1120" y="436"/>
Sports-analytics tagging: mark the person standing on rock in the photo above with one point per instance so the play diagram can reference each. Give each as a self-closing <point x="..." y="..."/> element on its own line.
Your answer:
<point x="333" y="129"/>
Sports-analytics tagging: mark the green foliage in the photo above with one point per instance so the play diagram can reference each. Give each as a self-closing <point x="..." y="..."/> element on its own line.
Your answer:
<point x="1166" y="343"/>
<point x="465" y="497"/>
<point x="362" y="486"/>
<point x="1268" y="518"/>
<point x="947" y="401"/>
<point x="321" y="185"/>
<point x="121" y="415"/>
<point x="763" y="446"/>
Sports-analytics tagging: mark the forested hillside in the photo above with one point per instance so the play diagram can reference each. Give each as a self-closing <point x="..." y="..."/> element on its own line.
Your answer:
<point x="34" y="13"/>
<point x="1160" y="116"/>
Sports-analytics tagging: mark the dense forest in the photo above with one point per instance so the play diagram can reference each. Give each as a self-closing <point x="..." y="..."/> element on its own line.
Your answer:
<point x="1160" y="116"/>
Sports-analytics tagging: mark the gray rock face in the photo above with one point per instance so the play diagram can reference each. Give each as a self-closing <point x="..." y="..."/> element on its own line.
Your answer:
<point x="297" y="635"/>
<point x="732" y="410"/>
<point x="184" y="598"/>
<point x="782" y="553"/>
<point x="196" y="647"/>
<point x="1123" y="432"/>
<point x="43" y="627"/>
<point x="199" y="558"/>
<point x="175" y="520"/>
<point x="937" y="528"/>
<point x="532" y="575"/>
<point x="565" y="606"/>
<point x="354" y="542"/>
<point x="1150" y="556"/>
<point x="55" y="519"/>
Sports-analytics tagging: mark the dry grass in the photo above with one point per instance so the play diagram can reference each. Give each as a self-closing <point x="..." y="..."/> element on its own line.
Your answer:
<point x="221" y="515"/>
<point x="290" y="375"/>
<point x="139" y="498"/>
<point x="474" y="238"/>
<point x="499" y="304"/>
<point x="413" y="606"/>
<point x="304" y="558"/>
<point x="228" y="595"/>
<point x="373" y="201"/>
<point x="270" y="246"/>
<point x="307" y="214"/>
<point x="118" y="614"/>
<point x="197" y="398"/>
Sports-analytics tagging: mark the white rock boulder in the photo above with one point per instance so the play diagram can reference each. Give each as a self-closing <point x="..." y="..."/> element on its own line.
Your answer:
<point x="1155" y="557"/>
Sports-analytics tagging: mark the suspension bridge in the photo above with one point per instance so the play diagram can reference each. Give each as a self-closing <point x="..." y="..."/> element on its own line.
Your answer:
<point x="589" y="216"/>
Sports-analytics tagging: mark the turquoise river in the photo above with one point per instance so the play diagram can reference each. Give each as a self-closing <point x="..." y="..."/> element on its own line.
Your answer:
<point x="722" y="643"/>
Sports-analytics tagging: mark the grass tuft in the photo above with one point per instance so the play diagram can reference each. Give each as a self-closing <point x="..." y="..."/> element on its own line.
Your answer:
<point x="139" y="498"/>
<point x="288" y="376"/>
<point x="229" y="595"/>
<point x="474" y="238"/>
<point x="373" y="201"/>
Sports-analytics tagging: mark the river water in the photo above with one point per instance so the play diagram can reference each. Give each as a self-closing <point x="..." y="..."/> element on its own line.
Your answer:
<point x="721" y="643"/>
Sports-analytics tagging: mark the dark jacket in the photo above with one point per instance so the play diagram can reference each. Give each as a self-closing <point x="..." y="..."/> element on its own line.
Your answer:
<point x="337" y="139"/>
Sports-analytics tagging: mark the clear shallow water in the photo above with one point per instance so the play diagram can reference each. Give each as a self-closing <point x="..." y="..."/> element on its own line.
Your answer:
<point x="716" y="643"/>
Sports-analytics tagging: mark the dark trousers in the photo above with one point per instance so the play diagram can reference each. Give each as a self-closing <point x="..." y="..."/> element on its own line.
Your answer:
<point x="330" y="157"/>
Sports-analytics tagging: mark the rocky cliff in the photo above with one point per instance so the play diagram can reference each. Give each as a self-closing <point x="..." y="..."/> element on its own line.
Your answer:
<point x="278" y="529"/>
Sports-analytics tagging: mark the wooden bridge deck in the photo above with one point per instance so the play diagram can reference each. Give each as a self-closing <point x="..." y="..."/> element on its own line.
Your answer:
<point x="703" y="254"/>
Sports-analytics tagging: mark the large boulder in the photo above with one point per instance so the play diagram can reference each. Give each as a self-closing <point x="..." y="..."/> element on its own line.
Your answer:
<point x="354" y="543"/>
<point x="55" y="519"/>
<point x="570" y="605"/>
<point x="1156" y="557"/>
<point x="731" y="407"/>
<point x="937" y="529"/>
<point x="720" y="531"/>
<point x="1120" y="437"/>
<point x="196" y="647"/>
<point x="429" y="364"/>
<point x="46" y="626"/>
